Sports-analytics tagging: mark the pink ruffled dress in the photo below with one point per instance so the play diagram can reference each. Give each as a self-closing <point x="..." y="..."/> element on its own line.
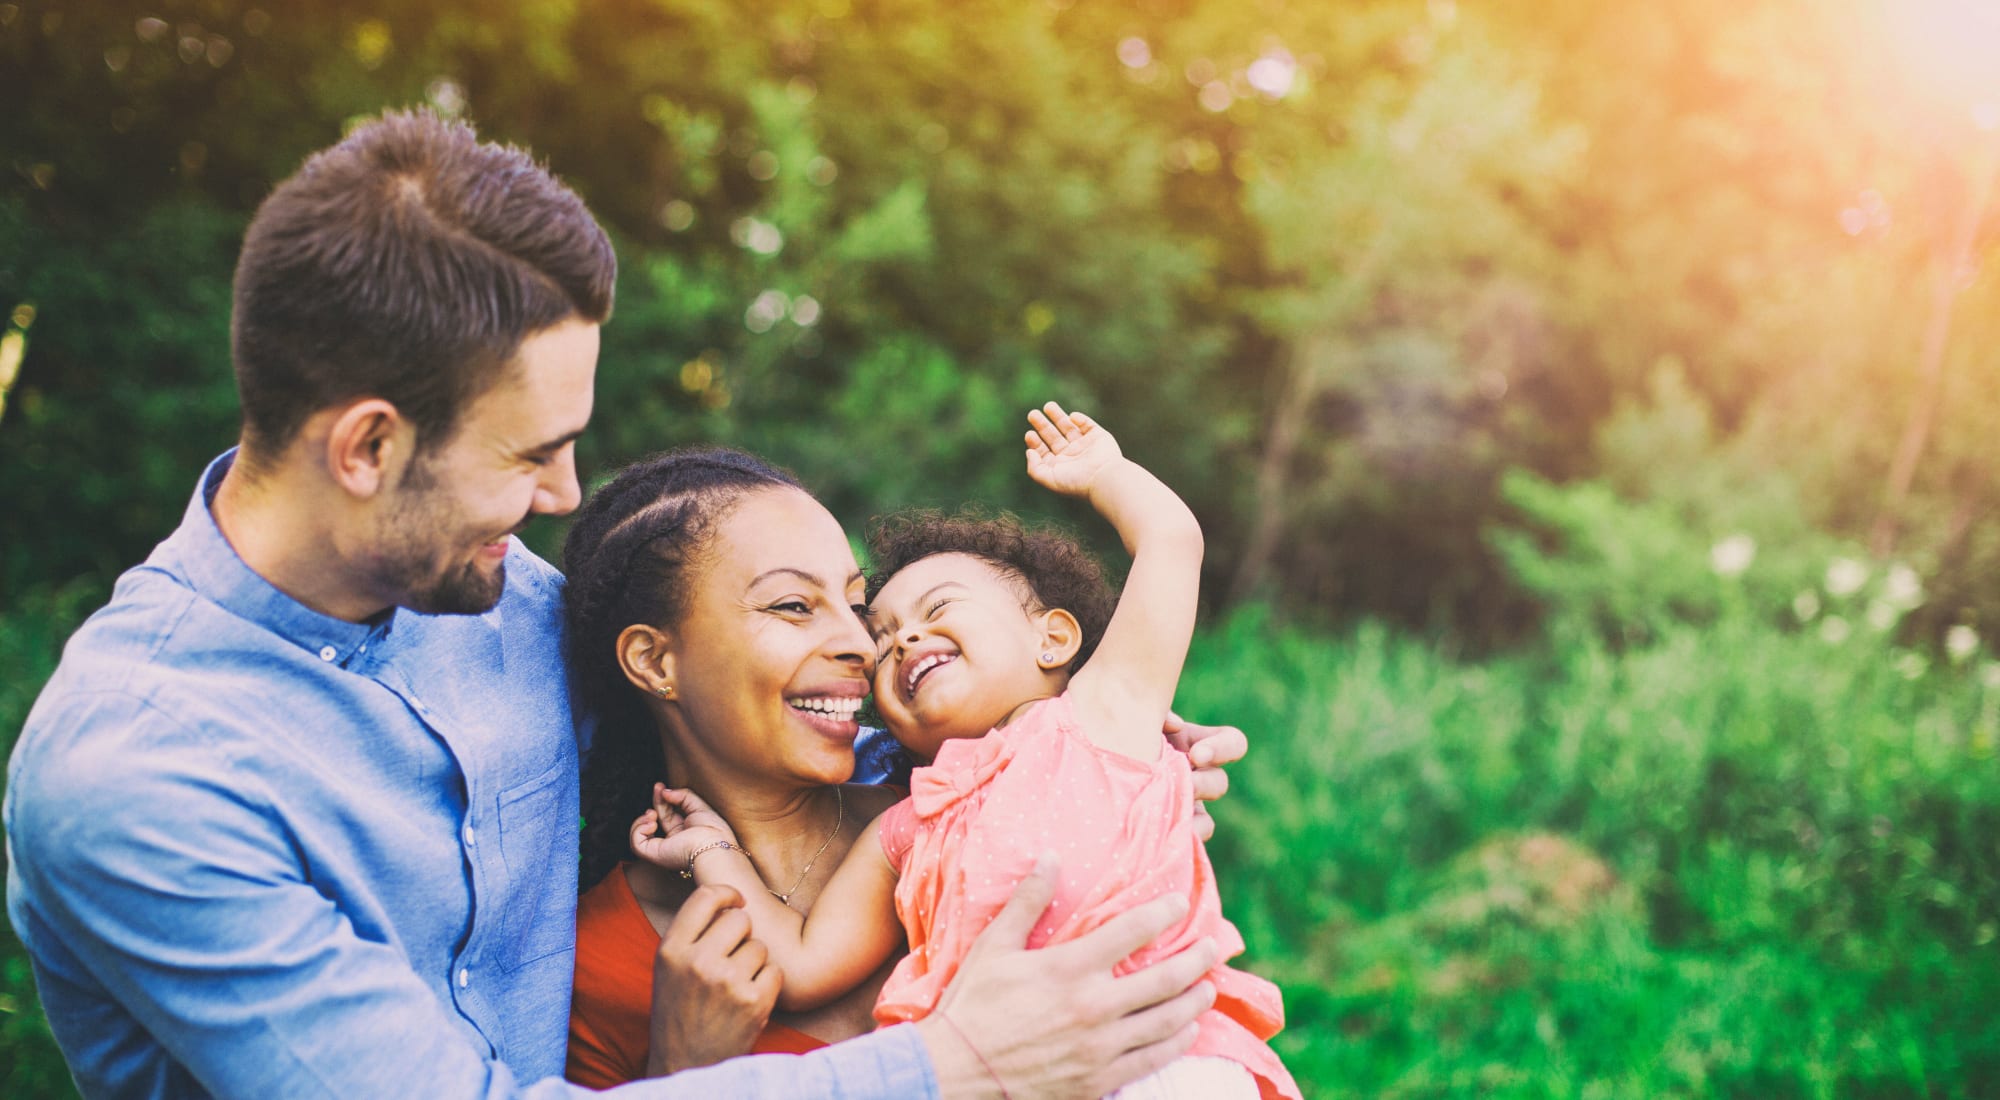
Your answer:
<point x="978" y="817"/>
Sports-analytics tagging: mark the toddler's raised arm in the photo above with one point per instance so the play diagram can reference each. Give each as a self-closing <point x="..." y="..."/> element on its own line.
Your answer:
<point x="1124" y="692"/>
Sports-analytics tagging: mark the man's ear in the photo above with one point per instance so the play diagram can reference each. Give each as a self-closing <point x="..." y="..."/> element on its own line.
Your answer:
<point x="646" y="654"/>
<point x="369" y="446"/>
<point x="1062" y="637"/>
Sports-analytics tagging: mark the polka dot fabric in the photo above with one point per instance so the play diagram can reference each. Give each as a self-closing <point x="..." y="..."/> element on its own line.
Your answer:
<point x="978" y="817"/>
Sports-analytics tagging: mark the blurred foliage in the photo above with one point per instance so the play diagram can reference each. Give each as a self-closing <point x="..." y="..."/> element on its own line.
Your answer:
<point x="1593" y="339"/>
<point x="1333" y="269"/>
<point x="1733" y="859"/>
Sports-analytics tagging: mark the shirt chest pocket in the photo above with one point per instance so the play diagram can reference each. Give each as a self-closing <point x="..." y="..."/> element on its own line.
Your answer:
<point x="538" y="845"/>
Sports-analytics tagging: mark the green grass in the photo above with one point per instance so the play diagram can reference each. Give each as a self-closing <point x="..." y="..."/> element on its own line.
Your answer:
<point x="1734" y="860"/>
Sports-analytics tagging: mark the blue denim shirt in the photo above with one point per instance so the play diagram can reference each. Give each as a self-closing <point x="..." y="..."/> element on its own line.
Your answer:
<point x="257" y="851"/>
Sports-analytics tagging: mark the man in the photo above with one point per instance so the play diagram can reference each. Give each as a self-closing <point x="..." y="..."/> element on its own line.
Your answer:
<point x="295" y="816"/>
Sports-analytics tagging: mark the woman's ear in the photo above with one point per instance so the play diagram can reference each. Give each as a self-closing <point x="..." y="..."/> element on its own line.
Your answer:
<point x="646" y="653"/>
<point x="1062" y="637"/>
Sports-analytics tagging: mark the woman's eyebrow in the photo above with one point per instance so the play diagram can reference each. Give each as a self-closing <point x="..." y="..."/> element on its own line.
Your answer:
<point x="786" y="570"/>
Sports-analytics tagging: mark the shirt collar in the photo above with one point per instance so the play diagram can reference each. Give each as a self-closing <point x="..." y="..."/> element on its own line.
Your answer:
<point x="198" y="551"/>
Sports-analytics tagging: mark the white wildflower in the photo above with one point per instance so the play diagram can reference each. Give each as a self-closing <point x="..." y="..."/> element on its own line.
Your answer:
<point x="1902" y="587"/>
<point x="1961" y="642"/>
<point x="1732" y="555"/>
<point x="1845" y="576"/>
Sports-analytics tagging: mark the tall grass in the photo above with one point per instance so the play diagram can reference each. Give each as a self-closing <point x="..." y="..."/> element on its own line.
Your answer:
<point x="1737" y="860"/>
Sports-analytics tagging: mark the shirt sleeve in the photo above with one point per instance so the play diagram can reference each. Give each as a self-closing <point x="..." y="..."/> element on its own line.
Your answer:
<point x="898" y="833"/>
<point x="172" y="884"/>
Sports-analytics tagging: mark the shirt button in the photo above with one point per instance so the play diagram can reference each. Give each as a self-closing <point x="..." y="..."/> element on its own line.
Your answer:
<point x="328" y="653"/>
<point x="464" y="977"/>
<point x="470" y="840"/>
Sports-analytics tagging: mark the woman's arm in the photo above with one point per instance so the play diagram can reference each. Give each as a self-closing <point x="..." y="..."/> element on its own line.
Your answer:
<point x="1124" y="693"/>
<point x="851" y="931"/>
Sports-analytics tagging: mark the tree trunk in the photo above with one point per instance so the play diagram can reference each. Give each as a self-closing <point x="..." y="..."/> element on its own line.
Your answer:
<point x="1307" y="373"/>
<point x="1952" y="261"/>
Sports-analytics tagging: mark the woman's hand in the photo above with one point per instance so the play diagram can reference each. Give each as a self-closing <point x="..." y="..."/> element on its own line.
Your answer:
<point x="678" y="825"/>
<point x="713" y="986"/>
<point x="1208" y="748"/>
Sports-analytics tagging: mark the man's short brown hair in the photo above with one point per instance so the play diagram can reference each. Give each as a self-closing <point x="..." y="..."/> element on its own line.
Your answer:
<point x="408" y="262"/>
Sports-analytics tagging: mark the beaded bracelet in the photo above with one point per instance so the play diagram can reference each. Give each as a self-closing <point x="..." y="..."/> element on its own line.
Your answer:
<point x="688" y="871"/>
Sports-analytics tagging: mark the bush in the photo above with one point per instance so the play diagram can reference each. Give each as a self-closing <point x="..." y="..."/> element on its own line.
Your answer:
<point x="1731" y="859"/>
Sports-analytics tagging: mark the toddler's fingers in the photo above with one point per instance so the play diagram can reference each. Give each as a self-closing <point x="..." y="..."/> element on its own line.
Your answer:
<point x="1061" y="419"/>
<point x="1050" y="435"/>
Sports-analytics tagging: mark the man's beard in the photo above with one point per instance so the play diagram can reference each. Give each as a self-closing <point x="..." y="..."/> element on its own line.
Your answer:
<point x="410" y="562"/>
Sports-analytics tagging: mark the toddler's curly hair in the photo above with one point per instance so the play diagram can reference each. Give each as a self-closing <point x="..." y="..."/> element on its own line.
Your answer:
<point x="1051" y="566"/>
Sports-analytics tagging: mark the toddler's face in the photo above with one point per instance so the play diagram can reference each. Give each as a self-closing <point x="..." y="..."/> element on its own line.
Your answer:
<point x="955" y="650"/>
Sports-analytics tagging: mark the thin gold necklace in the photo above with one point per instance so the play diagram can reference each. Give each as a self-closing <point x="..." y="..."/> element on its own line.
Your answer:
<point x="839" y="815"/>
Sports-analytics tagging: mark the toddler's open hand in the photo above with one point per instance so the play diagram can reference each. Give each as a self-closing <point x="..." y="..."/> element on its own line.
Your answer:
<point x="678" y="823"/>
<point x="1066" y="451"/>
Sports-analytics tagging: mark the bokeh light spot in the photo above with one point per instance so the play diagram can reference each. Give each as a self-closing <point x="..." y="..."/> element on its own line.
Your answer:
<point x="1273" y="74"/>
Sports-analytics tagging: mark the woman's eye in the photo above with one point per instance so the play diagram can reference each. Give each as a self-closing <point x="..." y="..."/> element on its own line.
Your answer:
<point x="792" y="607"/>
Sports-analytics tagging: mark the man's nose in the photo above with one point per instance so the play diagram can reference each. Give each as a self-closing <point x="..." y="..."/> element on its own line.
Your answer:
<point x="559" y="494"/>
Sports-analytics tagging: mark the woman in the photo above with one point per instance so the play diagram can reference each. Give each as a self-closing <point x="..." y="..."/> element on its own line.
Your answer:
<point x="714" y="629"/>
<point x="709" y="592"/>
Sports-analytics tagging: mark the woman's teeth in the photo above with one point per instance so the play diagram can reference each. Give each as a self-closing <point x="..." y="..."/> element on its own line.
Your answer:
<point x="841" y="707"/>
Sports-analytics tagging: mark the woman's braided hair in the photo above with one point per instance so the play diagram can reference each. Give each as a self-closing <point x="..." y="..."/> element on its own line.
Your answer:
<point x="1053" y="566"/>
<point x="627" y="558"/>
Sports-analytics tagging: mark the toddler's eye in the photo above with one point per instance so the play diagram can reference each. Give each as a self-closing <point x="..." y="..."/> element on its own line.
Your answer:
<point x="935" y="608"/>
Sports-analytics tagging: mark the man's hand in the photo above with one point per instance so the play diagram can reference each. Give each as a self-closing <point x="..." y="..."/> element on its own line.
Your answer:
<point x="1054" y="1022"/>
<point x="712" y="987"/>
<point x="1208" y="748"/>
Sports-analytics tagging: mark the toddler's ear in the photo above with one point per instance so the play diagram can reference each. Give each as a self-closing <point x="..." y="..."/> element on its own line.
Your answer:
<point x="1062" y="637"/>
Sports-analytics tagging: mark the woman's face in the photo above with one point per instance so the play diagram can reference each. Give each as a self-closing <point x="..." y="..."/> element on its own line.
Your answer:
<point x="771" y="660"/>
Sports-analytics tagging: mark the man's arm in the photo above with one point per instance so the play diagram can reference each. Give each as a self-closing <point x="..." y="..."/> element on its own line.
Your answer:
<point x="177" y="891"/>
